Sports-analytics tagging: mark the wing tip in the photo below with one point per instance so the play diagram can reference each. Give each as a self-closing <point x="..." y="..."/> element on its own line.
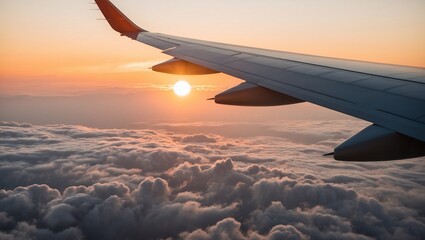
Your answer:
<point x="117" y="20"/>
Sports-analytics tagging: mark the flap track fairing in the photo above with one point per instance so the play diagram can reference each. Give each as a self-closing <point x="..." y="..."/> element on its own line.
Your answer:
<point x="376" y="143"/>
<point x="247" y="94"/>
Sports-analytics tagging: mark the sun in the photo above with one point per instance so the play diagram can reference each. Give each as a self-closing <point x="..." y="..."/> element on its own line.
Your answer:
<point x="182" y="88"/>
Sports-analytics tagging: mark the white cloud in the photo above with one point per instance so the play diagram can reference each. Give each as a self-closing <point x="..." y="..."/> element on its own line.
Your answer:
<point x="70" y="182"/>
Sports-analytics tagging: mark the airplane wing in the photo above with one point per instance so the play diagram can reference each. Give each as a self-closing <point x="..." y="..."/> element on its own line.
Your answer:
<point x="389" y="96"/>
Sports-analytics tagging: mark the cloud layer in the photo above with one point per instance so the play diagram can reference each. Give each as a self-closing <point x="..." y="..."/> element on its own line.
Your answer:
<point x="72" y="182"/>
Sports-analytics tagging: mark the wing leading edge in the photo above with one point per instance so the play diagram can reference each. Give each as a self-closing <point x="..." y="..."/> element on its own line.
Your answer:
<point x="391" y="97"/>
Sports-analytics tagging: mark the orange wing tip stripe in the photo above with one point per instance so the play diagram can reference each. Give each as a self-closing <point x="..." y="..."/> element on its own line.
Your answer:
<point x="118" y="21"/>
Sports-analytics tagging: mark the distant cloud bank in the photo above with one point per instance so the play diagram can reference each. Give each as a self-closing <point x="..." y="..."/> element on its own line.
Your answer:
<point x="73" y="182"/>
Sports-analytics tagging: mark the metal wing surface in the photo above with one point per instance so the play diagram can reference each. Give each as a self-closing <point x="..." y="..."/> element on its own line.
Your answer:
<point x="389" y="96"/>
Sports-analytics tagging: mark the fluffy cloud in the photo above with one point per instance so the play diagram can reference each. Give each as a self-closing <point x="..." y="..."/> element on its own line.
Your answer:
<point x="198" y="138"/>
<point x="72" y="182"/>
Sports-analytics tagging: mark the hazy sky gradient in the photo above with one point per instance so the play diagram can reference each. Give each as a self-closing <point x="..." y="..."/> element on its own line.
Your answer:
<point x="51" y="40"/>
<point x="58" y="48"/>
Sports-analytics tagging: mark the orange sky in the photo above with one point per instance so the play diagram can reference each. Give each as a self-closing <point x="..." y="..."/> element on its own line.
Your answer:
<point x="51" y="47"/>
<point x="50" y="40"/>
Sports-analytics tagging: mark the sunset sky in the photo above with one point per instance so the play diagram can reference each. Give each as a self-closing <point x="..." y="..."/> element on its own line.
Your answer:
<point x="51" y="47"/>
<point x="91" y="137"/>
<point x="59" y="48"/>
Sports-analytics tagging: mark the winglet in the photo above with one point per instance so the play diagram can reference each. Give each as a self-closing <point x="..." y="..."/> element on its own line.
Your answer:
<point x="118" y="21"/>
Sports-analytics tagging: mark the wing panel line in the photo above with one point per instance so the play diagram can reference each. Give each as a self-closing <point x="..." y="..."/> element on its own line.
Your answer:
<point x="411" y="128"/>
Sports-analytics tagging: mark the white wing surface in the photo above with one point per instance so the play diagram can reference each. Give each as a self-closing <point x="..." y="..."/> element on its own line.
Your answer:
<point x="389" y="96"/>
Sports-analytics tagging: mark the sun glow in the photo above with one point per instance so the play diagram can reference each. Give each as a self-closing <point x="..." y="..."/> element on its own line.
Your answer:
<point x="182" y="88"/>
